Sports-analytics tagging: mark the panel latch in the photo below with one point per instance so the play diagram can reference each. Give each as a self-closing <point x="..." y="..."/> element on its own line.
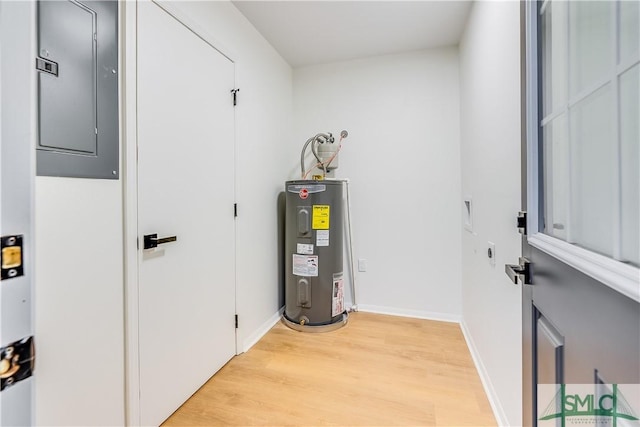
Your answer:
<point x="47" y="66"/>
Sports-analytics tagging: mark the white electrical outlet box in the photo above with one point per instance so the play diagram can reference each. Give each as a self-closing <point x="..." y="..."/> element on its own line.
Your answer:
<point x="362" y="265"/>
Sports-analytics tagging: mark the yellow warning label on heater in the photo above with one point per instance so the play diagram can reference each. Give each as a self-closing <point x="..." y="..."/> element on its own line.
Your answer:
<point x="320" y="217"/>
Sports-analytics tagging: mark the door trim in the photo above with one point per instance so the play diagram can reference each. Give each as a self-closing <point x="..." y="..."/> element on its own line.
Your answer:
<point x="615" y="274"/>
<point x="527" y="160"/>
<point x="129" y="73"/>
<point x="18" y="165"/>
<point x="130" y="194"/>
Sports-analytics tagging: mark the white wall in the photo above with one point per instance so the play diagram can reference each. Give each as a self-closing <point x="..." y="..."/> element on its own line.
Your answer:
<point x="79" y="306"/>
<point x="490" y="124"/>
<point x="403" y="159"/>
<point x="79" y="302"/>
<point x="263" y="123"/>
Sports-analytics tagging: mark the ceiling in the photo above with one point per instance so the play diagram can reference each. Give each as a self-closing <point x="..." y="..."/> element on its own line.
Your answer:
<point x="316" y="32"/>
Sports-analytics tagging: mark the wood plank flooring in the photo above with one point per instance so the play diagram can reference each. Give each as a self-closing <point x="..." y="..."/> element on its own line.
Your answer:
<point x="377" y="371"/>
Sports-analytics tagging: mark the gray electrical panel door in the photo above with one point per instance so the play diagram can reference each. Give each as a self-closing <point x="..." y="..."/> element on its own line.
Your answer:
<point x="78" y="89"/>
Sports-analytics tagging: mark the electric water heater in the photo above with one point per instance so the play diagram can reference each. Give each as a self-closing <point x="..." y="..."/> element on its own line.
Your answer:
<point x="314" y="285"/>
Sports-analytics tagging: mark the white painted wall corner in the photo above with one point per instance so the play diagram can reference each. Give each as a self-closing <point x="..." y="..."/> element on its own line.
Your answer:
<point x="252" y="339"/>
<point x="494" y="401"/>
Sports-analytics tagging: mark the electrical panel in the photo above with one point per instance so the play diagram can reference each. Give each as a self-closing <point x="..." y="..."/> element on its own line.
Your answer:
<point x="77" y="63"/>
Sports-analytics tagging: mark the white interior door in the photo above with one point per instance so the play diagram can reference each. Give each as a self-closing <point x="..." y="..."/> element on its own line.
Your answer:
<point x="185" y="189"/>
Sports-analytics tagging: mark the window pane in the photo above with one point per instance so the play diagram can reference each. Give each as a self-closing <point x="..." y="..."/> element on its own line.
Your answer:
<point x="590" y="37"/>
<point x="629" y="30"/>
<point x="556" y="177"/>
<point x="592" y="151"/>
<point x="554" y="59"/>
<point x="630" y="163"/>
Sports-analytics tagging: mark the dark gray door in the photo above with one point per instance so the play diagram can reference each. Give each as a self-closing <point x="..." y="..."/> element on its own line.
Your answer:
<point x="581" y="311"/>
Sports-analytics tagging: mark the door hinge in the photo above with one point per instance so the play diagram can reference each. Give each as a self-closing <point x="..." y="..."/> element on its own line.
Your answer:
<point x="236" y="321"/>
<point x="234" y="92"/>
<point x="522" y="222"/>
<point x="520" y="272"/>
<point x="235" y="210"/>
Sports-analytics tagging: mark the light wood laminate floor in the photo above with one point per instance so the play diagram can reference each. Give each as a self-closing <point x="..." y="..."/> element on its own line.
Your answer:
<point x="377" y="371"/>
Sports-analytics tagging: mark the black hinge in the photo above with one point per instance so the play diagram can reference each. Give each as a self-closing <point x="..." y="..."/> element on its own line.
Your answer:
<point x="235" y="210"/>
<point x="236" y="321"/>
<point x="234" y="92"/>
<point x="522" y="222"/>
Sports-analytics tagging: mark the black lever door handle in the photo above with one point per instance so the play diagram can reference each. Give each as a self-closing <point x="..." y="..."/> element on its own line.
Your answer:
<point x="151" y="240"/>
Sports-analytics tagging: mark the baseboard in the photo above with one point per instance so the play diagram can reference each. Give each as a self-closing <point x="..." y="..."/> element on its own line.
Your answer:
<point x="489" y="390"/>
<point x="418" y="314"/>
<point x="250" y="341"/>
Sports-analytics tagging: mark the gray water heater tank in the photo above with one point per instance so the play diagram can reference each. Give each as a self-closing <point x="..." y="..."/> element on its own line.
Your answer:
<point x="314" y="285"/>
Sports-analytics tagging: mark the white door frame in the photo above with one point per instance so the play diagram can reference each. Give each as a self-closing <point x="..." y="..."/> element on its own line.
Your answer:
<point x="18" y="171"/>
<point x="130" y="182"/>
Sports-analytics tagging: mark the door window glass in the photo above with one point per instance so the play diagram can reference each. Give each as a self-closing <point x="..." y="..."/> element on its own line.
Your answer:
<point x="556" y="148"/>
<point x="629" y="154"/>
<point x="554" y="60"/>
<point x="589" y="81"/>
<point x="590" y="42"/>
<point x="629" y="30"/>
<point x="593" y="172"/>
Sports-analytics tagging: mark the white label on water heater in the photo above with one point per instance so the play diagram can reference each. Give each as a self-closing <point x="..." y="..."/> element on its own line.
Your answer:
<point x="337" y="302"/>
<point x="305" y="249"/>
<point x="322" y="238"/>
<point x="305" y="265"/>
